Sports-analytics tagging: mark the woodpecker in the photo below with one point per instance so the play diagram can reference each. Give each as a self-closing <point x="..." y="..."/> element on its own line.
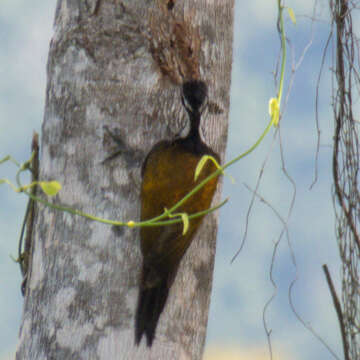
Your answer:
<point x="167" y="176"/>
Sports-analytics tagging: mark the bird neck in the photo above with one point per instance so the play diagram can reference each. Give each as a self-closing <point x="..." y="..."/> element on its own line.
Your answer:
<point x="194" y="133"/>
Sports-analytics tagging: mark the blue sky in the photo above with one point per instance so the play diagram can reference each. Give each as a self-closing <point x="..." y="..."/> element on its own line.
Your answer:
<point x="240" y="289"/>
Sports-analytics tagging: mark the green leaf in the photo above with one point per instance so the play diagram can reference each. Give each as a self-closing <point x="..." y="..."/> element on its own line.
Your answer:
<point x="185" y="220"/>
<point x="202" y="163"/>
<point x="274" y="111"/>
<point x="50" y="188"/>
<point x="200" y="166"/>
<point x="292" y="15"/>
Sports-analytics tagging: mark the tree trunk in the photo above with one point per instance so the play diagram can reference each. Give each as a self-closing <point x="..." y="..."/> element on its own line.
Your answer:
<point x="120" y="64"/>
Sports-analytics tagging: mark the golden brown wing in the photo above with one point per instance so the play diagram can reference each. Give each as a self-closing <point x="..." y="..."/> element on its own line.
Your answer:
<point x="167" y="177"/>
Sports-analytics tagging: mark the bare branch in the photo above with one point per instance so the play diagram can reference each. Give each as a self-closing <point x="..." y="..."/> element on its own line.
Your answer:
<point x="338" y="311"/>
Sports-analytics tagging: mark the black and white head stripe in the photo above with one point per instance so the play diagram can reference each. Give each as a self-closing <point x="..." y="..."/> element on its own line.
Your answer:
<point x="194" y="94"/>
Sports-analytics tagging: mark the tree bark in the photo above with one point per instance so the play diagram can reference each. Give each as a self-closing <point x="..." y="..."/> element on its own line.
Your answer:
<point x="120" y="64"/>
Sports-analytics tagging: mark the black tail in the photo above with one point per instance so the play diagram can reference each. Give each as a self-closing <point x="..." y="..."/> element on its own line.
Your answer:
<point x="151" y="302"/>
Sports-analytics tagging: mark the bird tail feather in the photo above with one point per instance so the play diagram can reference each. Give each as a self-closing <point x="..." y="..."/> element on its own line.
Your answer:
<point x="151" y="303"/>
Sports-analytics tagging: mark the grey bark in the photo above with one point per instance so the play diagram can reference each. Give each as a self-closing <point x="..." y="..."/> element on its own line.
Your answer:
<point x="108" y="65"/>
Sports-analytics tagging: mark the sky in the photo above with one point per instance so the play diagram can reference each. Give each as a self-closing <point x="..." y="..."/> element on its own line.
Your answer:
<point x="241" y="288"/>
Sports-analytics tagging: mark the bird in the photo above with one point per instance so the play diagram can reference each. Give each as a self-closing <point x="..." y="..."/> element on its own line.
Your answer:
<point x="167" y="176"/>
